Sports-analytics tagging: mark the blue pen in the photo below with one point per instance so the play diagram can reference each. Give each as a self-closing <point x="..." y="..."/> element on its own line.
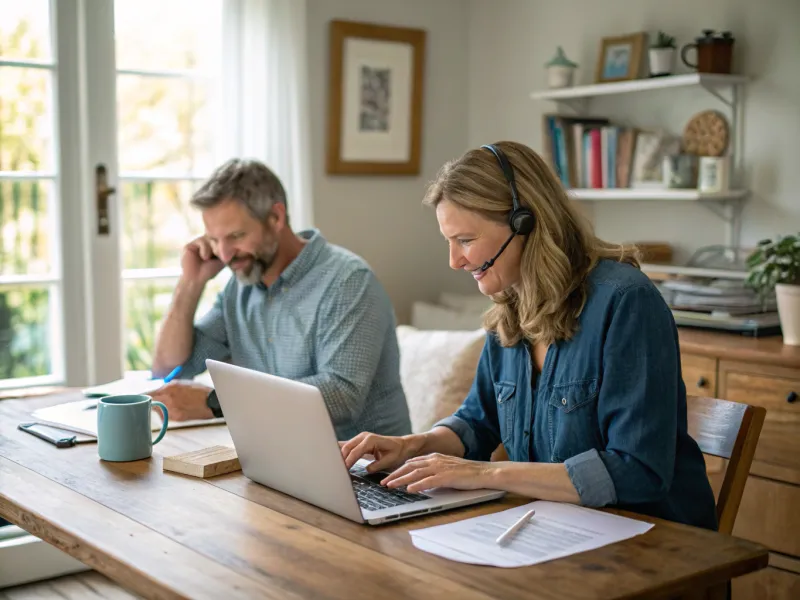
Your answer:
<point x="173" y="374"/>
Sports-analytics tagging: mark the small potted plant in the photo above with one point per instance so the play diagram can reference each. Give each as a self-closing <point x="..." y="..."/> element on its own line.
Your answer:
<point x="775" y="264"/>
<point x="662" y="55"/>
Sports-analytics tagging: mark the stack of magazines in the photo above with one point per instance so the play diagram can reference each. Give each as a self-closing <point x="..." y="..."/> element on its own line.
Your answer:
<point x="725" y="304"/>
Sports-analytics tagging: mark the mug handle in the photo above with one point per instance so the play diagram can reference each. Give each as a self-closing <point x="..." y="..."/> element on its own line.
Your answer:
<point x="165" y="414"/>
<point x="684" y="50"/>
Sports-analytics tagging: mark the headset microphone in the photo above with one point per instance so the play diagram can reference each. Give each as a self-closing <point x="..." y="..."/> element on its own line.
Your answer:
<point x="489" y="263"/>
<point x="521" y="219"/>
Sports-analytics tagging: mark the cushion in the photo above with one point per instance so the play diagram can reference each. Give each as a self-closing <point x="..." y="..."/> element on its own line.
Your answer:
<point x="469" y="303"/>
<point x="442" y="318"/>
<point x="436" y="369"/>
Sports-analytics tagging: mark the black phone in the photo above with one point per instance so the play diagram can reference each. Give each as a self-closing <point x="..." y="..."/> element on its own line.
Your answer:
<point x="55" y="436"/>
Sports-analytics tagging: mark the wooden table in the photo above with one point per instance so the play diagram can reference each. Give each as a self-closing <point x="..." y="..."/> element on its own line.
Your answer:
<point x="164" y="535"/>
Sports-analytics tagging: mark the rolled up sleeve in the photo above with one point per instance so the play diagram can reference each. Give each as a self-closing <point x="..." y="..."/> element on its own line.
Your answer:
<point x="591" y="479"/>
<point x="637" y="406"/>
<point x="475" y="422"/>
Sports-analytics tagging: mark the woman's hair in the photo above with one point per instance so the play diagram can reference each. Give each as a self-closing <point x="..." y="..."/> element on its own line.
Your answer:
<point x="544" y="306"/>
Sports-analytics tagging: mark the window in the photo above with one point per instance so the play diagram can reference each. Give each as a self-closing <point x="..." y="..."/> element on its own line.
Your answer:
<point x="168" y="108"/>
<point x="30" y="273"/>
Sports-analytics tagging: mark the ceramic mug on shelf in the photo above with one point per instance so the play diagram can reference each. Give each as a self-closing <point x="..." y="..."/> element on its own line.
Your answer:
<point x="714" y="174"/>
<point x="680" y="171"/>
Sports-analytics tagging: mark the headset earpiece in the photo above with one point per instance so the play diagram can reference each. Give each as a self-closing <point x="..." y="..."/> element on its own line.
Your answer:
<point x="521" y="220"/>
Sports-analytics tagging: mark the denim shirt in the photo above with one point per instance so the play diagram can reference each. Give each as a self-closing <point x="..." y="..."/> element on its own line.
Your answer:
<point x="610" y="404"/>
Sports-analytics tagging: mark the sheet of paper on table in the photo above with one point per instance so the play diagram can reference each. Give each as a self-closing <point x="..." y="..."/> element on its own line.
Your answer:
<point x="555" y="531"/>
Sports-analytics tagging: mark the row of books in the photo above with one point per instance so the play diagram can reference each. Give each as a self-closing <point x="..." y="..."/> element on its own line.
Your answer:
<point x="589" y="152"/>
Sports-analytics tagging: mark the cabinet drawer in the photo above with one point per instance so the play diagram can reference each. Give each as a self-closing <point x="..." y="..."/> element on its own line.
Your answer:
<point x="768" y="514"/>
<point x="778" y="451"/>
<point x="773" y="392"/>
<point x="699" y="374"/>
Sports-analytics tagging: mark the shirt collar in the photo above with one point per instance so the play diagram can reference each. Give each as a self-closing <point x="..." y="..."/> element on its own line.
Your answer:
<point x="303" y="262"/>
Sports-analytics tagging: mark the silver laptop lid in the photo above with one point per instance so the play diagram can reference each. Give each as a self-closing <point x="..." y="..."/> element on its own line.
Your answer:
<point x="284" y="437"/>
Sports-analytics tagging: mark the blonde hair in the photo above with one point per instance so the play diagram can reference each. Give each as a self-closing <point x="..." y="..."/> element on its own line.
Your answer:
<point x="546" y="303"/>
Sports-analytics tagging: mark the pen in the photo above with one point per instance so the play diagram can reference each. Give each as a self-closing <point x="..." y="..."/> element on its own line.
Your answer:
<point x="173" y="374"/>
<point x="515" y="527"/>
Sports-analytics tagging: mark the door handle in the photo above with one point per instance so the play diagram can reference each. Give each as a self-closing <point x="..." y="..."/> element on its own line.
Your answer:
<point x="102" y="192"/>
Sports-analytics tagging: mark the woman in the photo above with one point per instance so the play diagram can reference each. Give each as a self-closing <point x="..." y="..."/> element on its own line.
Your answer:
<point x="579" y="377"/>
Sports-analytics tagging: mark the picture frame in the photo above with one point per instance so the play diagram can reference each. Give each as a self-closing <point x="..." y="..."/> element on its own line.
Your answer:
<point x="620" y="58"/>
<point x="375" y="103"/>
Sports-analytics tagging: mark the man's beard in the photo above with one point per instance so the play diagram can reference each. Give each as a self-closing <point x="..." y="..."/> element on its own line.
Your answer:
<point x="262" y="260"/>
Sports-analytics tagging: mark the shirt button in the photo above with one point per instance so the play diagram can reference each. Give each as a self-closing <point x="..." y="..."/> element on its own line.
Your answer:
<point x="269" y="339"/>
<point x="564" y="401"/>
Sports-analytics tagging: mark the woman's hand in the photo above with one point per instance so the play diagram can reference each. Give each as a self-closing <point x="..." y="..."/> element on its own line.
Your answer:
<point x="439" y="470"/>
<point x="388" y="451"/>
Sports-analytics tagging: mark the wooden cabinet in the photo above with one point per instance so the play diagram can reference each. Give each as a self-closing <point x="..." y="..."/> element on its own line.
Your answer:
<point x="762" y="372"/>
<point x="699" y="374"/>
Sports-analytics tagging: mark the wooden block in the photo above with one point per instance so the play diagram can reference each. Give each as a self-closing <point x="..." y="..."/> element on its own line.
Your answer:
<point x="207" y="462"/>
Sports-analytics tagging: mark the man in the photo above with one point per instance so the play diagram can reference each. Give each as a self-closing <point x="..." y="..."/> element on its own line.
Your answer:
<point x="298" y="307"/>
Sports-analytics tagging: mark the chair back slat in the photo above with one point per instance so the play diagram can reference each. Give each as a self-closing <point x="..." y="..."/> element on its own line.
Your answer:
<point x="714" y="424"/>
<point x="729" y="430"/>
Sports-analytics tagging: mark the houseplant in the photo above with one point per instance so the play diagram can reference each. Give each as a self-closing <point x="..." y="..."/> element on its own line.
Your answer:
<point x="775" y="264"/>
<point x="662" y="55"/>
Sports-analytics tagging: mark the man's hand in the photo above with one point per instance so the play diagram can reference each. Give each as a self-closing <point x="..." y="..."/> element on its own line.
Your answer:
<point x="185" y="401"/>
<point x="198" y="262"/>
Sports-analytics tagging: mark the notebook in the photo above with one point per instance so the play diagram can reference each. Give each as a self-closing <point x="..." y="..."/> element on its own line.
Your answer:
<point x="81" y="415"/>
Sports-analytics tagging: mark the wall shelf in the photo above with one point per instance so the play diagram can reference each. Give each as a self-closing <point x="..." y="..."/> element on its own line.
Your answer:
<point x="706" y="80"/>
<point x="725" y="88"/>
<point x="688" y="195"/>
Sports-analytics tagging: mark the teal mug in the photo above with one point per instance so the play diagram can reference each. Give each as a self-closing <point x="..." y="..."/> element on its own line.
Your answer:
<point x="124" y="429"/>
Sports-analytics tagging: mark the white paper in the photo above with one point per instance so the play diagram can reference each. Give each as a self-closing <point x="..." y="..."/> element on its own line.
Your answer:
<point x="81" y="416"/>
<point x="128" y="385"/>
<point x="137" y="382"/>
<point x="555" y="531"/>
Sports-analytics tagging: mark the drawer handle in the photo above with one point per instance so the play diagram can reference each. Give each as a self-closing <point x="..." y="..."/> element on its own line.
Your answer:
<point x="702" y="382"/>
<point x="791" y="397"/>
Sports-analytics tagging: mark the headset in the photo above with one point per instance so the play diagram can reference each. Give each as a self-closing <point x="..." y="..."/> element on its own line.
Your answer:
<point x="521" y="219"/>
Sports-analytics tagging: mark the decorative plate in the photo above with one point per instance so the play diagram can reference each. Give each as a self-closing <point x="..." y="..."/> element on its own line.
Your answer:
<point x="706" y="134"/>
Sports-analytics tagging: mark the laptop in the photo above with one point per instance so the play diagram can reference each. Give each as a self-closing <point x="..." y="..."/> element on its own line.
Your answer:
<point x="285" y="440"/>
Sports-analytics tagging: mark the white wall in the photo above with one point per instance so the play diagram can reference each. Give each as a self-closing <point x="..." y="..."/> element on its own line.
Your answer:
<point x="510" y="40"/>
<point x="381" y="217"/>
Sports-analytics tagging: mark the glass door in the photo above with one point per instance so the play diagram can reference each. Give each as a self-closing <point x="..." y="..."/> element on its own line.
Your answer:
<point x="169" y="130"/>
<point x="110" y="117"/>
<point x="31" y="282"/>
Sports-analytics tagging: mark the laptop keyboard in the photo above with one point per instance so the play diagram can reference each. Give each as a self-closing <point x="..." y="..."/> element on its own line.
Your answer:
<point x="373" y="496"/>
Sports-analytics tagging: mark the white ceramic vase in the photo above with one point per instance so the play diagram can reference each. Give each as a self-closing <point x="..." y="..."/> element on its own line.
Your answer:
<point x="788" y="297"/>
<point x="661" y="61"/>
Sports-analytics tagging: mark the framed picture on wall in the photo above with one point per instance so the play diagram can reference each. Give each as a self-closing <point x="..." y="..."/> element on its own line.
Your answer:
<point x="620" y="58"/>
<point x="375" y="97"/>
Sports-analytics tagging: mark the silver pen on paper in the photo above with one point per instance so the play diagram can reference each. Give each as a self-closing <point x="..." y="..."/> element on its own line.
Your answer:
<point x="515" y="527"/>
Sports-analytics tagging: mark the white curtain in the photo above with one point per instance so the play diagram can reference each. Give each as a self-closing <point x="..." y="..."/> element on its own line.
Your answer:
<point x="265" y="95"/>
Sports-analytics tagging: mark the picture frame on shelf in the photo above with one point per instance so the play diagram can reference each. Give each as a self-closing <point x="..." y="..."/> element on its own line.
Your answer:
<point x="375" y="102"/>
<point x="650" y="148"/>
<point x="620" y="58"/>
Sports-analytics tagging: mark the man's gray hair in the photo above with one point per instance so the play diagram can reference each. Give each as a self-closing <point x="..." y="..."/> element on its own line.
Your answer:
<point x="249" y="181"/>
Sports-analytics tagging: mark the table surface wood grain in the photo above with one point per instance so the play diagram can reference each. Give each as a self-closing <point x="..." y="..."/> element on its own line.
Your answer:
<point x="166" y="535"/>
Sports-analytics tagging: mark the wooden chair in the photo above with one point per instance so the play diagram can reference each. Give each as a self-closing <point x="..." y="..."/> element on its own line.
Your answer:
<point x="728" y="430"/>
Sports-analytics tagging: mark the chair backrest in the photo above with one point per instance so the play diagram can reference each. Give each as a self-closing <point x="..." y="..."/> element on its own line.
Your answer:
<point x="729" y="430"/>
